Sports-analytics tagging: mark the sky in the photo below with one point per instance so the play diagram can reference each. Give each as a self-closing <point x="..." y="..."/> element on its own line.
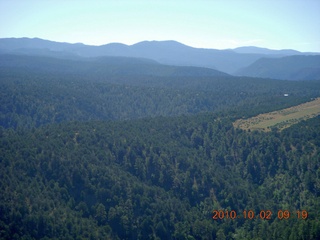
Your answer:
<point x="218" y="24"/>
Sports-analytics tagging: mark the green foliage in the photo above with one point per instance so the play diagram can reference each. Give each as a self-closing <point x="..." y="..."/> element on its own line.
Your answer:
<point x="157" y="178"/>
<point x="69" y="169"/>
<point x="33" y="97"/>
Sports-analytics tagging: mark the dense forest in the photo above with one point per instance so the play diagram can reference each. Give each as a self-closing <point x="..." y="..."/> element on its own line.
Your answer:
<point x="103" y="154"/>
<point x="42" y="90"/>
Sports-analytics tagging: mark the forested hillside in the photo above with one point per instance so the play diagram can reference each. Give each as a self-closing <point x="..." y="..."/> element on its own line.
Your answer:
<point x="100" y="66"/>
<point x="285" y="68"/>
<point x="158" y="178"/>
<point x="92" y="150"/>
<point x="43" y="90"/>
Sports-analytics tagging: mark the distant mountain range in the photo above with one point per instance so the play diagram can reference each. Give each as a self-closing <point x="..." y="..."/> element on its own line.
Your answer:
<point x="239" y="61"/>
<point x="266" y="51"/>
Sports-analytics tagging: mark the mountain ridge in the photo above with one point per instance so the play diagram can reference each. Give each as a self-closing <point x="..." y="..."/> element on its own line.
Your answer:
<point x="167" y="52"/>
<point x="296" y="67"/>
<point x="260" y="50"/>
<point x="105" y="65"/>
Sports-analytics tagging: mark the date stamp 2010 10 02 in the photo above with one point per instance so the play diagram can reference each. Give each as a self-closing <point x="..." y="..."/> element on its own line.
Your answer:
<point x="263" y="214"/>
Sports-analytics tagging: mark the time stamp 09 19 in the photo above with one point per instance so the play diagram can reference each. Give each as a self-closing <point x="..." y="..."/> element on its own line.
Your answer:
<point x="263" y="214"/>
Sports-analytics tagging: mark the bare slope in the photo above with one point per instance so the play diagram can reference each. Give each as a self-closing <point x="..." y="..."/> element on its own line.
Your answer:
<point x="280" y="119"/>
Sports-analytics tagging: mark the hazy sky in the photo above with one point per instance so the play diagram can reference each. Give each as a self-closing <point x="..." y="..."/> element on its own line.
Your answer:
<point x="219" y="24"/>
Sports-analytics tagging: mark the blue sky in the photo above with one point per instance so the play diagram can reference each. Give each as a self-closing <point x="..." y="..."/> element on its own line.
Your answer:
<point x="219" y="24"/>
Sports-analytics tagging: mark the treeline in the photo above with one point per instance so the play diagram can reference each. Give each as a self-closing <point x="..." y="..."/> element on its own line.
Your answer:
<point x="158" y="178"/>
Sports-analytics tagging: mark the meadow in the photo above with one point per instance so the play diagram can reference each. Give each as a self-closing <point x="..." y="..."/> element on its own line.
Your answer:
<point x="280" y="119"/>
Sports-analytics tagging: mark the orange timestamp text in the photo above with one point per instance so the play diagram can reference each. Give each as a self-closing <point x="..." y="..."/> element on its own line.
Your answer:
<point x="263" y="214"/>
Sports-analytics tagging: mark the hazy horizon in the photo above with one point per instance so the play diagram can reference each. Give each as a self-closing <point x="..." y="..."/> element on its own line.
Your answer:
<point x="168" y="40"/>
<point x="201" y="24"/>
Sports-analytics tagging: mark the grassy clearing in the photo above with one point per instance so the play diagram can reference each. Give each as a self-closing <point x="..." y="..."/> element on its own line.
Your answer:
<point x="280" y="119"/>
